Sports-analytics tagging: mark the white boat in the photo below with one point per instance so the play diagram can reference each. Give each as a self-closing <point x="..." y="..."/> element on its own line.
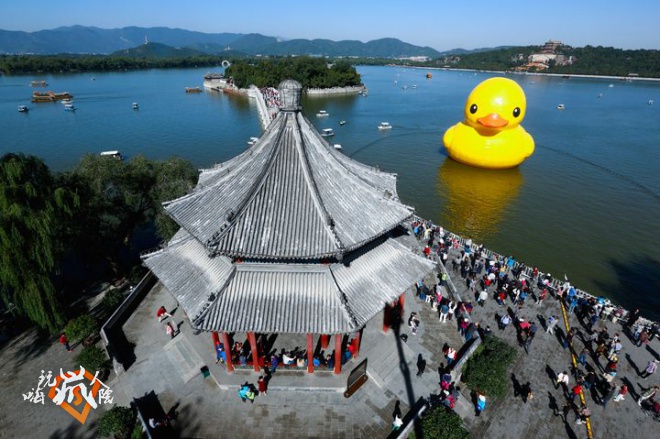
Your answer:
<point x="322" y="113"/>
<point x="114" y="154"/>
<point x="414" y="86"/>
<point x="561" y="107"/>
<point x="342" y="122"/>
<point x="67" y="101"/>
<point x="23" y="109"/>
<point x="337" y="146"/>
<point x="252" y="141"/>
<point x="135" y="106"/>
<point x="650" y="102"/>
<point x="384" y="126"/>
<point x="69" y="107"/>
<point x="327" y="132"/>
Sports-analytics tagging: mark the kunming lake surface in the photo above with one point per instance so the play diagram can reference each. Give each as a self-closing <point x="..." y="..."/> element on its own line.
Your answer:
<point x="586" y="204"/>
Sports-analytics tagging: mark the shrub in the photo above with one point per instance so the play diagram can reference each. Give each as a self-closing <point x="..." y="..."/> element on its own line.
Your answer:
<point x="442" y="423"/>
<point x="81" y="327"/>
<point x="486" y="370"/>
<point x="117" y="422"/>
<point x="93" y="359"/>
<point x="113" y="298"/>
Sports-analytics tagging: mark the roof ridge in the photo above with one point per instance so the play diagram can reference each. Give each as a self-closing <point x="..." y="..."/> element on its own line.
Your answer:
<point x="307" y="171"/>
<point x="311" y="183"/>
<point x="213" y="242"/>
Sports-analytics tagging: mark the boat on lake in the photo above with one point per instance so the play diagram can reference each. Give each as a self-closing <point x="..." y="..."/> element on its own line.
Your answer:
<point x="429" y="76"/>
<point x="327" y="132"/>
<point x="135" y="106"/>
<point x="384" y="126"/>
<point x="23" y="109"/>
<point x="50" y="96"/>
<point x="252" y="141"/>
<point x="67" y="101"/>
<point x="322" y="113"/>
<point x="114" y="154"/>
<point x="561" y="107"/>
<point x="342" y="122"/>
<point x="337" y="146"/>
<point x="193" y="90"/>
<point x="38" y="84"/>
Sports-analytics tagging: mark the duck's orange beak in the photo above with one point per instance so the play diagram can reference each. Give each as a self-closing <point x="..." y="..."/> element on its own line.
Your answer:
<point x="493" y="120"/>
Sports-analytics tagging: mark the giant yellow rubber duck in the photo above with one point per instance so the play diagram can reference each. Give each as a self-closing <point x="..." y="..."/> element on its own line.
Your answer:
<point x="491" y="135"/>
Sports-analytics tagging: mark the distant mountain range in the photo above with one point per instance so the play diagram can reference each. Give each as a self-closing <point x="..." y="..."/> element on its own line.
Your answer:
<point x="93" y="40"/>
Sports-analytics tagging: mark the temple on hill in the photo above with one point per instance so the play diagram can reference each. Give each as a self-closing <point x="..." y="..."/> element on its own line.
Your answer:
<point x="289" y="237"/>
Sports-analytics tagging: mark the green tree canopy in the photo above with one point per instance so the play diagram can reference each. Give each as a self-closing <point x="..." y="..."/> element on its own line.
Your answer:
<point x="34" y="209"/>
<point x="486" y="370"/>
<point x="442" y="423"/>
<point x="121" y="196"/>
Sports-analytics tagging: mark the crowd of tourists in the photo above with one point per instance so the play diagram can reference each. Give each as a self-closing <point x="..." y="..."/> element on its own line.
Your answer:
<point x="514" y="286"/>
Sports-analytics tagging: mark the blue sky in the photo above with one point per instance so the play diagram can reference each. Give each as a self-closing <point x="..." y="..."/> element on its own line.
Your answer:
<point x="435" y="23"/>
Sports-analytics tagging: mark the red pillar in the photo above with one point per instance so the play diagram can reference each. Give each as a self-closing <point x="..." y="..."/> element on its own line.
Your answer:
<point x="310" y="353"/>
<point x="356" y="343"/>
<point x="216" y="338"/>
<point x="402" y="298"/>
<point x="338" y="340"/>
<point x="255" y="350"/>
<point x="325" y="341"/>
<point x="227" y="345"/>
<point x="386" y="317"/>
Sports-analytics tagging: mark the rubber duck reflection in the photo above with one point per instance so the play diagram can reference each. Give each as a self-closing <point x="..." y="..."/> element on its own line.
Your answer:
<point x="475" y="198"/>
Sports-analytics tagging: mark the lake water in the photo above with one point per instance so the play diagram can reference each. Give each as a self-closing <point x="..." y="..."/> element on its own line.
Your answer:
<point x="586" y="204"/>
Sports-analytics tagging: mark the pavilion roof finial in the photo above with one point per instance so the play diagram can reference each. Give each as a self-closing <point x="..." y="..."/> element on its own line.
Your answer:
<point x="290" y="93"/>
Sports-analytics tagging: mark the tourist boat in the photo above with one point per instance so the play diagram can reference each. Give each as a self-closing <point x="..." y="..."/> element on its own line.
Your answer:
<point x="114" y="154"/>
<point x="67" y="101"/>
<point x="23" y="109"/>
<point x="384" y="126"/>
<point x="414" y="86"/>
<point x="39" y="84"/>
<point x="193" y="90"/>
<point x="561" y="107"/>
<point x="327" y="132"/>
<point x="342" y="122"/>
<point x="429" y="76"/>
<point x="337" y="146"/>
<point x="50" y="96"/>
<point x="650" y="102"/>
<point x="69" y="107"/>
<point x="135" y="106"/>
<point x="322" y="113"/>
<point x="252" y="141"/>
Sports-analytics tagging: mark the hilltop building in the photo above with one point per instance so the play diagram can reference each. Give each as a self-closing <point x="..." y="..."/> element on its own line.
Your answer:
<point x="291" y="236"/>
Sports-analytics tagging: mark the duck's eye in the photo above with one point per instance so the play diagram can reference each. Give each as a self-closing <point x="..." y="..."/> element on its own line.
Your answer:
<point x="473" y="109"/>
<point x="516" y="112"/>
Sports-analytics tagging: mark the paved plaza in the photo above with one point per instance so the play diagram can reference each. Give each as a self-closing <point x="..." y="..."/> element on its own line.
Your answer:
<point x="302" y="406"/>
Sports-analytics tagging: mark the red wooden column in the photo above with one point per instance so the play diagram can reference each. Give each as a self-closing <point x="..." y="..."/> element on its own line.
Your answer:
<point x="255" y="350"/>
<point x="402" y="299"/>
<point x="325" y="341"/>
<point x="216" y="338"/>
<point x="338" y="340"/>
<point x="356" y="343"/>
<point x="310" y="353"/>
<point x="227" y="345"/>
<point x="386" y="317"/>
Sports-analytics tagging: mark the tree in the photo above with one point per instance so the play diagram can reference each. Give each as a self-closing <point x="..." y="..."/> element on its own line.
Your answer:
<point x="117" y="422"/>
<point x="442" y="423"/>
<point x="81" y="327"/>
<point x="486" y="370"/>
<point x="34" y="209"/>
<point x="120" y="197"/>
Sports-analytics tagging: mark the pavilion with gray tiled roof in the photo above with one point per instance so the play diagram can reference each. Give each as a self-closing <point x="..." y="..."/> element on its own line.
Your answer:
<point x="289" y="237"/>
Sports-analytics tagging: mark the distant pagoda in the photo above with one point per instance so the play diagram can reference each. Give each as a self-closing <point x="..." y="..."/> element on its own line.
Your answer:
<point x="289" y="237"/>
